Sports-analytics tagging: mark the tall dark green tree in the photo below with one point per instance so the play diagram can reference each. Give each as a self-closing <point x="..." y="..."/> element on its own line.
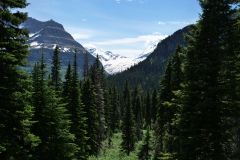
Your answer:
<point x="96" y="75"/>
<point x="16" y="140"/>
<point x="128" y="133"/>
<point x="145" y="149"/>
<point x="77" y="115"/>
<point x="67" y="83"/>
<point x="163" y="112"/>
<point x="148" y="112"/>
<point x="205" y="132"/>
<point x="56" y="67"/>
<point x="154" y="105"/>
<point x="90" y="110"/>
<point x="52" y="121"/>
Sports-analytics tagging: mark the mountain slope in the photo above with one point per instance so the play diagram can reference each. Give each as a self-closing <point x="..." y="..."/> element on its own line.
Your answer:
<point x="44" y="36"/>
<point x="148" y="72"/>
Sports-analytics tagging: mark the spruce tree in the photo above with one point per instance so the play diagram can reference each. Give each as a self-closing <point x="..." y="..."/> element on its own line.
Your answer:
<point x="96" y="75"/>
<point x="90" y="110"/>
<point x="204" y="133"/>
<point x="56" y="67"/>
<point x="77" y="115"/>
<point x="16" y="139"/>
<point x="128" y="138"/>
<point x="148" y="112"/>
<point x="163" y="112"/>
<point x="52" y="121"/>
<point x="154" y="105"/>
<point x="145" y="149"/>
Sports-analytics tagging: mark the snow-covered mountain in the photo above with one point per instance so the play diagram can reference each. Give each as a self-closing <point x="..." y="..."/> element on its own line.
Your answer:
<point x="115" y="63"/>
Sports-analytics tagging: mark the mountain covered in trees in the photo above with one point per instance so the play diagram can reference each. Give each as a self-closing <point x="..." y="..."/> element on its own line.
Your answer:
<point x="148" y="72"/>
<point x="192" y="115"/>
<point x="45" y="36"/>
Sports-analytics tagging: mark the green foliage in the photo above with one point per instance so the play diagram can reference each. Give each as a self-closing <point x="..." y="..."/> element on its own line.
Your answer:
<point x="52" y="123"/>
<point x="90" y="110"/>
<point x="56" y="67"/>
<point x="16" y="139"/>
<point x="145" y="149"/>
<point x="128" y="134"/>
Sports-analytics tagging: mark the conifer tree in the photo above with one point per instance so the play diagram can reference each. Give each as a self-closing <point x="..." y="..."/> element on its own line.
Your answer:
<point x="137" y="112"/>
<point x="148" y="107"/>
<point x="52" y="121"/>
<point x="204" y="131"/>
<point x="67" y="83"/>
<point x="154" y="105"/>
<point x="90" y="110"/>
<point x="97" y="79"/>
<point x="163" y="112"/>
<point x="55" y="74"/>
<point x="77" y="115"/>
<point x="128" y="123"/>
<point x="114" y="111"/>
<point x="144" y="153"/>
<point x="16" y="140"/>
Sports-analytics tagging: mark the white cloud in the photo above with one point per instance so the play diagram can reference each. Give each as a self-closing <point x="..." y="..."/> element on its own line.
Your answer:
<point x="81" y="33"/>
<point x="127" y="41"/>
<point x="176" y="22"/>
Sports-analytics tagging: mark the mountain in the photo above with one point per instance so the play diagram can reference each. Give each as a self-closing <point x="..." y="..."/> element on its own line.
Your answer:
<point x="148" y="72"/>
<point x="115" y="63"/>
<point x="44" y="36"/>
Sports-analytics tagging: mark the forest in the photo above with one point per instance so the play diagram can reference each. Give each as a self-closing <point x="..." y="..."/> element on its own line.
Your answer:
<point x="193" y="114"/>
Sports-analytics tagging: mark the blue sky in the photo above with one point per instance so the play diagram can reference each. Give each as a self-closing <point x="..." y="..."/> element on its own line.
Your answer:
<point x="125" y="27"/>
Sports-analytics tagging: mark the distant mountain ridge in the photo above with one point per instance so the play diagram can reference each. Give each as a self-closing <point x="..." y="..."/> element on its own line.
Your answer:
<point x="148" y="72"/>
<point x="115" y="63"/>
<point x="44" y="36"/>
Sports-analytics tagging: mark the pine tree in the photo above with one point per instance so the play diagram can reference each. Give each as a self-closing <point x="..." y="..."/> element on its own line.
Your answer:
<point x="67" y="83"/>
<point x="56" y="67"/>
<point x="163" y="112"/>
<point x="154" y="105"/>
<point x="204" y="133"/>
<point x="97" y="79"/>
<point x="148" y="107"/>
<point x="144" y="153"/>
<point x="52" y="121"/>
<point x="90" y="109"/>
<point x="114" y="111"/>
<point x="76" y="110"/>
<point x="16" y="140"/>
<point x="128" y="123"/>
<point x="137" y="112"/>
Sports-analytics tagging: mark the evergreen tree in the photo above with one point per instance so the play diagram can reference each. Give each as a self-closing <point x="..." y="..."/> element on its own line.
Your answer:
<point x="144" y="153"/>
<point x="114" y="111"/>
<point x="90" y="109"/>
<point x="148" y="107"/>
<point x="205" y="131"/>
<point x="97" y="79"/>
<point x="128" y="124"/>
<point x="67" y="83"/>
<point x="52" y="121"/>
<point x="76" y="110"/>
<point x="16" y="140"/>
<point x="56" y="67"/>
<point x="163" y="112"/>
<point x="137" y="111"/>
<point x="154" y="105"/>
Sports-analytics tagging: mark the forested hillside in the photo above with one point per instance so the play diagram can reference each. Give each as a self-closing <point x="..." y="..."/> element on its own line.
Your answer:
<point x="148" y="72"/>
<point x="192" y="115"/>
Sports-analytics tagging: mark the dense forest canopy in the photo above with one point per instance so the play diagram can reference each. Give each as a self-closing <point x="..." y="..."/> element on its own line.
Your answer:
<point x="192" y="114"/>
